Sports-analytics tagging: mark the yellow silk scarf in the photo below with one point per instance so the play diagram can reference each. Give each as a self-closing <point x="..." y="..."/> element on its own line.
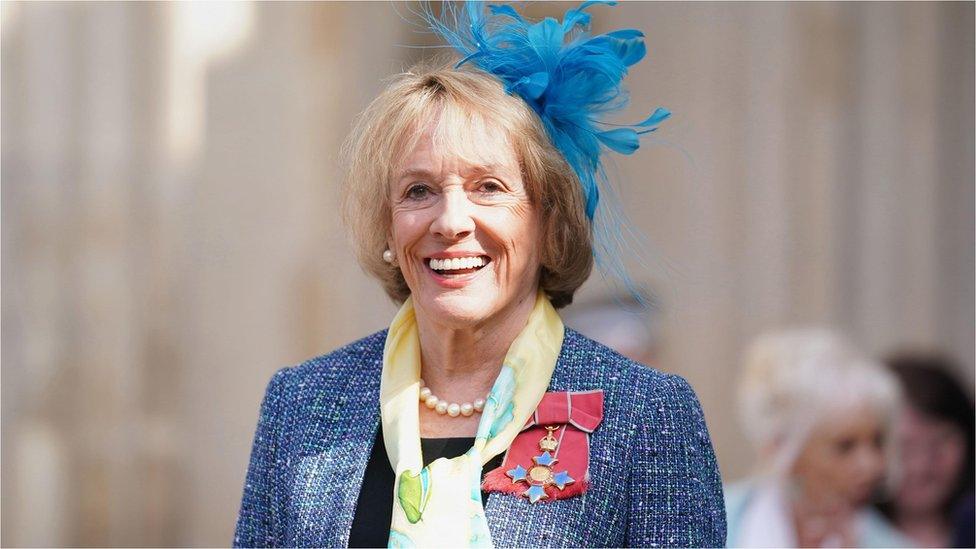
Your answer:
<point x="440" y="505"/>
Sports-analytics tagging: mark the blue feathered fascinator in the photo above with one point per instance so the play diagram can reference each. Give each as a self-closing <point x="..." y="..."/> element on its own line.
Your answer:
<point x="570" y="77"/>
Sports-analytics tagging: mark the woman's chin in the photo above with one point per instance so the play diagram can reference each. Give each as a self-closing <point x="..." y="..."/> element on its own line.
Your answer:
<point x="459" y="307"/>
<point x="861" y="495"/>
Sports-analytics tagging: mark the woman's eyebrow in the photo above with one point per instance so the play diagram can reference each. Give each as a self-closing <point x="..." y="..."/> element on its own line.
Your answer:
<point x="485" y="169"/>
<point x="412" y="173"/>
<point x="468" y="172"/>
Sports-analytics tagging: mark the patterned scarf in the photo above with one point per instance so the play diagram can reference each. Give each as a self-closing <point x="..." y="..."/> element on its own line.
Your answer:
<point x="440" y="504"/>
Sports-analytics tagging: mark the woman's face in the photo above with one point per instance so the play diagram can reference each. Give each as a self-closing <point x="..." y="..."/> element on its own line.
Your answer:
<point x="932" y="454"/>
<point x="843" y="460"/>
<point x="464" y="231"/>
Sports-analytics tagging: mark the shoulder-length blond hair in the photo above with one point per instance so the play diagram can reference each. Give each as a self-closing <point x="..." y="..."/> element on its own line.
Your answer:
<point x="456" y="97"/>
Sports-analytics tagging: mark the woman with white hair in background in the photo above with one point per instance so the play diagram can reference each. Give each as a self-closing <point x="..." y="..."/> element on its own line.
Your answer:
<point x="820" y="416"/>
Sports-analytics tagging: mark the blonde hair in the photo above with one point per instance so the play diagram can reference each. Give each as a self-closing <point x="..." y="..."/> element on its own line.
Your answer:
<point x="454" y="100"/>
<point x="795" y="379"/>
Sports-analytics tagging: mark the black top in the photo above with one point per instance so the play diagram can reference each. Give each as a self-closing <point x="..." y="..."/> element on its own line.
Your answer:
<point x="374" y="510"/>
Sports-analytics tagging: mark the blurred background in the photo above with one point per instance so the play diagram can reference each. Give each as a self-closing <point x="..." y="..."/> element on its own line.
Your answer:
<point x="170" y="234"/>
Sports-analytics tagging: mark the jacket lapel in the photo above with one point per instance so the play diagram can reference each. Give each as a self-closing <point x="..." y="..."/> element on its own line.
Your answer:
<point x="361" y="419"/>
<point x="513" y="521"/>
<point x="332" y="458"/>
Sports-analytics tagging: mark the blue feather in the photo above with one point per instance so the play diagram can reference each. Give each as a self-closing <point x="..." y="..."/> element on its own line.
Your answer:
<point x="622" y="140"/>
<point x="546" y="38"/>
<point x="660" y="115"/>
<point x="589" y="3"/>
<point x="506" y="10"/>
<point x="625" y="34"/>
<point x="576" y="18"/>
<point x="531" y="86"/>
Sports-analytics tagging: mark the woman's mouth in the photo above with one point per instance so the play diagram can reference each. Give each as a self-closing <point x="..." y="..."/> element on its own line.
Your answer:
<point x="458" y="266"/>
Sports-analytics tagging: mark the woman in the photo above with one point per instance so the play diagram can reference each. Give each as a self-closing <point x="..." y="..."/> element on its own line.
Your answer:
<point x="820" y="415"/>
<point x="477" y="419"/>
<point x="933" y="501"/>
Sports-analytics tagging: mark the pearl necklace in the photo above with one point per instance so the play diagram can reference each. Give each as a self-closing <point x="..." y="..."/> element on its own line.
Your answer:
<point x="452" y="409"/>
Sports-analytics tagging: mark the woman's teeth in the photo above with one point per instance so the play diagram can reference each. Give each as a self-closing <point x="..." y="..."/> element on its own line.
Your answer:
<point x="457" y="263"/>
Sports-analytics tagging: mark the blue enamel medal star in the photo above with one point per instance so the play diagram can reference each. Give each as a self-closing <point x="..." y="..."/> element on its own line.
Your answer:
<point x="562" y="479"/>
<point x="535" y="493"/>
<point x="545" y="460"/>
<point x="541" y="474"/>
<point x="517" y="474"/>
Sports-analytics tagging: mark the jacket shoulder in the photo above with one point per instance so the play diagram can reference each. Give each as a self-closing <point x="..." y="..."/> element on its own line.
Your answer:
<point x="646" y="395"/>
<point x="655" y="420"/>
<point x="585" y="363"/>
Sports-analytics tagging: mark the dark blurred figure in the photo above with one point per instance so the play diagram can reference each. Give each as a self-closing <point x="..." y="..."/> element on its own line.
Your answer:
<point x="933" y="504"/>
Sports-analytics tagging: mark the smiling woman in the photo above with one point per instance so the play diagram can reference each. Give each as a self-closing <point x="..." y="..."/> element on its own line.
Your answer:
<point x="449" y="215"/>
<point x="466" y="115"/>
<point x="478" y="419"/>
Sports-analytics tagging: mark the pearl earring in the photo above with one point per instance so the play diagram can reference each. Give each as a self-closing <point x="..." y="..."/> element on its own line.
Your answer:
<point x="389" y="256"/>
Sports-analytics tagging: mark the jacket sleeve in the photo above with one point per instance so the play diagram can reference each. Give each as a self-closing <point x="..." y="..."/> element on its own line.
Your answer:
<point x="675" y="487"/>
<point x="257" y="522"/>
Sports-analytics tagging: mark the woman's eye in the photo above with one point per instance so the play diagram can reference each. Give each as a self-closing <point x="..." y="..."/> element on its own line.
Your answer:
<point x="878" y="440"/>
<point x="845" y="445"/>
<point x="418" y="192"/>
<point x="491" y="186"/>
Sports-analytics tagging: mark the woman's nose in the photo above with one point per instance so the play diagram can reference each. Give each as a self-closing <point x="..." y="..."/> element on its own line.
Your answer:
<point x="454" y="220"/>
<point x="871" y="462"/>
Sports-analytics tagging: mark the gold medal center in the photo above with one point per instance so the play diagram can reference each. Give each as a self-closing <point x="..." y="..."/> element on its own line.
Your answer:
<point x="540" y="473"/>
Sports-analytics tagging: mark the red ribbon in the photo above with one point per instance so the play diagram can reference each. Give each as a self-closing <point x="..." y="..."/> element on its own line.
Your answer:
<point x="576" y="414"/>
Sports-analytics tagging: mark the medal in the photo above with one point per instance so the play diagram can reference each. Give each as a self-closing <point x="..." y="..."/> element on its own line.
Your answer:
<point x="550" y="458"/>
<point x="541" y="474"/>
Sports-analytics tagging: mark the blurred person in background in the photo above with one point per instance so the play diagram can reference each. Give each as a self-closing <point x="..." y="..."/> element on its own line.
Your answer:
<point x="820" y="416"/>
<point x="933" y="501"/>
<point x="478" y="419"/>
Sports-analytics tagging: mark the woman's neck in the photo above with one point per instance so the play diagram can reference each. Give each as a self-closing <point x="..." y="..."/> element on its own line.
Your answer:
<point x="469" y="356"/>
<point x="460" y="364"/>
<point x="823" y="521"/>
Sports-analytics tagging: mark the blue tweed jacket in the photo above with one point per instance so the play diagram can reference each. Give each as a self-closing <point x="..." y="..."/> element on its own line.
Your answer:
<point x="654" y="478"/>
